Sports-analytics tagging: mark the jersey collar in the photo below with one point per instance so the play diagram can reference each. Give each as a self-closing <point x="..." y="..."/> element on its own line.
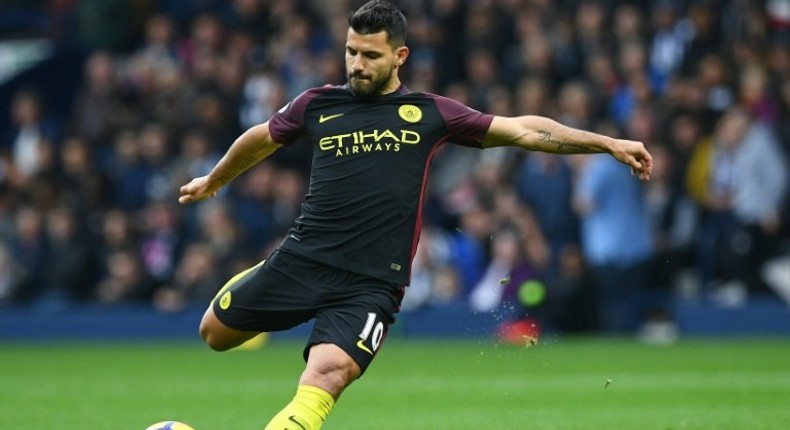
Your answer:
<point x="402" y="90"/>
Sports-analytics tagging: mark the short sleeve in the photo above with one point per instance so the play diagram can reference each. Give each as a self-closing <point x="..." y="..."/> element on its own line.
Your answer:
<point x="465" y="125"/>
<point x="287" y="125"/>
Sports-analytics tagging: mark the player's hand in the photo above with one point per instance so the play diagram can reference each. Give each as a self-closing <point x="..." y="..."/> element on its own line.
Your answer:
<point x="634" y="154"/>
<point x="197" y="189"/>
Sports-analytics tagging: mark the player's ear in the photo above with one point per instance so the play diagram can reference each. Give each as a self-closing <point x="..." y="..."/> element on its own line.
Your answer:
<point x="401" y="54"/>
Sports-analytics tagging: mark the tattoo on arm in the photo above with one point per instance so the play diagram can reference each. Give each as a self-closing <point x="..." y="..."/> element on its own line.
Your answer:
<point x="545" y="136"/>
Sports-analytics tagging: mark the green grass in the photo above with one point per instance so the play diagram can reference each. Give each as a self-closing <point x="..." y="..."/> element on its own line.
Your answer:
<point x="473" y="385"/>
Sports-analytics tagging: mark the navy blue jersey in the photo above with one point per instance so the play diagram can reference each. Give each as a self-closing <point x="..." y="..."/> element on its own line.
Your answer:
<point x="371" y="156"/>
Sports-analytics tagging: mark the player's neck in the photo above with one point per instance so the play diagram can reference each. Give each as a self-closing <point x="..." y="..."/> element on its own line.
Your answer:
<point x="392" y="86"/>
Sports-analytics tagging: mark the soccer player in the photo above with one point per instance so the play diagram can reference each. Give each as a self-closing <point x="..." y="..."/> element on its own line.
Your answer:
<point x="346" y="261"/>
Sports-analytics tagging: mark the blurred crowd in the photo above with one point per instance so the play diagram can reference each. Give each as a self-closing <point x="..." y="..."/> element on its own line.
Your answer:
<point x="89" y="208"/>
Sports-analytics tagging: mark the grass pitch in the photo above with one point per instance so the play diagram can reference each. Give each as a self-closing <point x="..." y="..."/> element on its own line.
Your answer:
<point x="562" y="384"/>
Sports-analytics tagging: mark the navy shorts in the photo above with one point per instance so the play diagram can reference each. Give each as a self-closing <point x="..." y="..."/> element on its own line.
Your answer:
<point x="351" y="311"/>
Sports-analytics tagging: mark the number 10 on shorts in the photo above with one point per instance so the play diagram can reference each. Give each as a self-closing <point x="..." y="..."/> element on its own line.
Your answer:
<point x="374" y="328"/>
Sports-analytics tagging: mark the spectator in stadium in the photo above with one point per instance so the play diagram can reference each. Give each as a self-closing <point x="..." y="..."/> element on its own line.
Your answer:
<point x="507" y="270"/>
<point x="115" y="233"/>
<point x="218" y="228"/>
<point x="28" y="255"/>
<point x="745" y="180"/>
<point x="31" y="143"/>
<point x="616" y="239"/>
<point x="197" y="154"/>
<point x="127" y="173"/>
<point x="125" y="279"/>
<point x="253" y="201"/>
<point x="544" y="182"/>
<point x="71" y="269"/>
<point x="434" y="282"/>
<point x="82" y="183"/>
<point x="101" y="107"/>
<point x="195" y="279"/>
<point x="161" y="241"/>
<point x="783" y="127"/>
<point x="469" y="245"/>
<point x="7" y="274"/>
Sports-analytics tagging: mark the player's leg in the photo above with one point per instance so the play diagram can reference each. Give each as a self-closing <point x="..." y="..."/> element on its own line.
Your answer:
<point x="328" y="372"/>
<point x="220" y="337"/>
<point x="217" y="335"/>
<point x="346" y="337"/>
<point x="330" y="368"/>
<point x="262" y="298"/>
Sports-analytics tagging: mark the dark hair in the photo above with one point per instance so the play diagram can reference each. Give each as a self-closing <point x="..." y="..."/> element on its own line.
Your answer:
<point x="378" y="15"/>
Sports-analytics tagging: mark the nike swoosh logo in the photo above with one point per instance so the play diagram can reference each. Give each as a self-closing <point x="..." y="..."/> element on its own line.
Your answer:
<point x="324" y="118"/>
<point x="292" y="419"/>
<point x="363" y="347"/>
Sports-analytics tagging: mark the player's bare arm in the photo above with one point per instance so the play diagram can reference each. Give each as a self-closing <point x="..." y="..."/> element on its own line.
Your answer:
<point x="537" y="133"/>
<point x="252" y="146"/>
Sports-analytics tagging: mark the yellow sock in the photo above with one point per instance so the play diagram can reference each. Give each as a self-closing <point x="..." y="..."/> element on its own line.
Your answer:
<point x="307" y="411"/>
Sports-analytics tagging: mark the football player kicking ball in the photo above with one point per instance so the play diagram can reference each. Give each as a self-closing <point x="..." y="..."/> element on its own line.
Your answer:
<point x="347" y="259"/>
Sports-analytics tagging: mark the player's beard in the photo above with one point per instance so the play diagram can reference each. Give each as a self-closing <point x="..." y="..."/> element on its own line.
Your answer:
<point x="366" y="86"/>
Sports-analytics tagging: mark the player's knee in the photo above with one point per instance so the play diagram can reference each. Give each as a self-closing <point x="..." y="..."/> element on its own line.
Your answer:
<point x="211" y="341"/>
<point x="211" y="331"/>
<point x="334" y="380"/>
<point x="333" y="373"/>
<point x="208" y="335"/>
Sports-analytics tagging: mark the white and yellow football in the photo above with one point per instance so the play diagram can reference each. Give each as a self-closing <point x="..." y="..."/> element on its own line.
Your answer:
<point x="169" y="425"/>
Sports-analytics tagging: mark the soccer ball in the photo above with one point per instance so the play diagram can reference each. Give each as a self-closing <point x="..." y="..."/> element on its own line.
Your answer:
<point x="169" y="425"/>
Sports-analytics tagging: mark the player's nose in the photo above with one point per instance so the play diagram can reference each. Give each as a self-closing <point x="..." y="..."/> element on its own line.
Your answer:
<point x="357" y="64"/>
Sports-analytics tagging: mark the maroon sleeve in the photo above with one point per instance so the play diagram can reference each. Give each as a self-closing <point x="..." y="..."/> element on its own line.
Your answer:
<point x="465" y="125"/>
<point x="287" y="124"/>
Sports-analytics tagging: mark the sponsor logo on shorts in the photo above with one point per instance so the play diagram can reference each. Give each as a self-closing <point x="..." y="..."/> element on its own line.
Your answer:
<point x="224" y="302"/>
